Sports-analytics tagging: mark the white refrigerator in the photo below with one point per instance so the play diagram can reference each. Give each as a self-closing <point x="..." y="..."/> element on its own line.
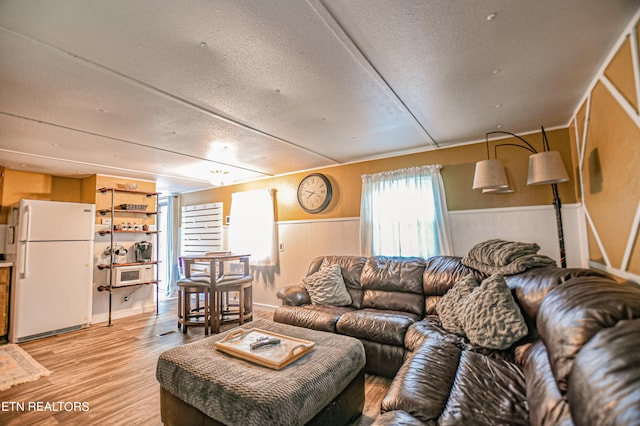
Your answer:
<point x="51" y="245"/>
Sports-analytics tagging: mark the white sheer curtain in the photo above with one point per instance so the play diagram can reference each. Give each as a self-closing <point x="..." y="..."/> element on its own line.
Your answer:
<point x="252" y="228"/>
<point x="173" y="244"/>
<point x="404" y="213"/>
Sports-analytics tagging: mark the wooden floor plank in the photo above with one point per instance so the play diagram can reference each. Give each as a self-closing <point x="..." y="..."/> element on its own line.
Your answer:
<point x="111" y="370"/>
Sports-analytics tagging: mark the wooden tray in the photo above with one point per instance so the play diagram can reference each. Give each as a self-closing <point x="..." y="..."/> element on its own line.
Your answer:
<point x="290" y="349"/>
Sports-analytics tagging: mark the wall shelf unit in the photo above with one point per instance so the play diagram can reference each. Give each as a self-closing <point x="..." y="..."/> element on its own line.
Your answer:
<point x="121" y="208"/>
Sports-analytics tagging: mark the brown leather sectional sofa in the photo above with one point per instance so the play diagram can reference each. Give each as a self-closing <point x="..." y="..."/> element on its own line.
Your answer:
<point x="579" y="363"/>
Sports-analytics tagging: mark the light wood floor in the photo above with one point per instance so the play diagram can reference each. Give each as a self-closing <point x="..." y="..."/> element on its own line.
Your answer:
<point x="110" y="373"/>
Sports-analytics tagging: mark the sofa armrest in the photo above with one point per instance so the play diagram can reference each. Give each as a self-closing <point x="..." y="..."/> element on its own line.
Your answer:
<point x="294" y="295"/>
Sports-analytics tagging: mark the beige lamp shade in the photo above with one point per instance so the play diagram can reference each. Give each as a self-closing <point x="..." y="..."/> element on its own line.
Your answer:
<point x="546" y="167"/>
<point x="490" y="174"/>
<point x="507" y="190"/>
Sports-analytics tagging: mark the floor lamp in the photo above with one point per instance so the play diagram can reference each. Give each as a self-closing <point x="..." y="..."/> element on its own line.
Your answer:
<point x="545" y="167"/>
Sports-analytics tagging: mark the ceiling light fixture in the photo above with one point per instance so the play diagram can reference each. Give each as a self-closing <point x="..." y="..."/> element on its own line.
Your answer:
<point x="545" y="167"/>
<point x="217" y="178"/>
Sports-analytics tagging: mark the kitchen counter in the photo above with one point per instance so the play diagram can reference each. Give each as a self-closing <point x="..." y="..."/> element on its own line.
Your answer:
<point x="4" y="264"/>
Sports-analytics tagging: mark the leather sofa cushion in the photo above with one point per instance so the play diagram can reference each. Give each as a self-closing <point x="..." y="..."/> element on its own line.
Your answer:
<point x="397" y="418"/>
<point x="430" y="304"/>
<point x="393" y="274"/>
<point x="455" y="388"/>
<point x="546" y="405"/>
<point x="431" y="328"/>
<point x="532" y="286"/>
<point x="442" y="272"/>
<point x="294" y="295"/>
<point x="605" y="379"/>
<point x="393" y="283"/>
<point x="486" y="391"/>
<point x="394" y="301"/>
<point x="316" y="317"/>
<point x="421" y="387"/>
<point x="574" y="312"/>
<point x="387" y="327"/>
<point x="382" y="360"/>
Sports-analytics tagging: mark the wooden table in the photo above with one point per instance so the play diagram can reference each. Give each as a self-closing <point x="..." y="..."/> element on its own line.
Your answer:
<point x="219" y="279"/>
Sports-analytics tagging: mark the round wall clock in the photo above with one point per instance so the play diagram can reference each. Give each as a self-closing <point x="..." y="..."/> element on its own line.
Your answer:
<point x="314" y="193"/>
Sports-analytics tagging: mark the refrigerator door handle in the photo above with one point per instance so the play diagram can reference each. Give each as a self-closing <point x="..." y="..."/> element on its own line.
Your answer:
<point x="25" y="231"/>
<point x="28" y="224"/>
<point x="24" y="271"/>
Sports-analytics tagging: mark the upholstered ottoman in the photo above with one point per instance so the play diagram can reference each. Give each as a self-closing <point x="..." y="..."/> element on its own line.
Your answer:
<point x="201" y="385"/>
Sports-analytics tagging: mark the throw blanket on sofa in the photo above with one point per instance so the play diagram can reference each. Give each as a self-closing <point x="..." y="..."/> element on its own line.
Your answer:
<point x="505" y="257"/>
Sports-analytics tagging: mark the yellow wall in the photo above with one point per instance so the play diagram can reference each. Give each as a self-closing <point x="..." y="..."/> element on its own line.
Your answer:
<point x="17" y="185"/>
<point x="457" y="174"/>
<point x="103" y="199"/>
<point x="610" y="171"/>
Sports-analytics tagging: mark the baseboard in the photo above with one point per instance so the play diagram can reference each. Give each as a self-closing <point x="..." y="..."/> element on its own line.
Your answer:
<point x="264" y="307"/>
<point x="122" y="313"/>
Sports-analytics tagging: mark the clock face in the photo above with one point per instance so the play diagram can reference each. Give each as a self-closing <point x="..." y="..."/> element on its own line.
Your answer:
<point x="314" y="193"/>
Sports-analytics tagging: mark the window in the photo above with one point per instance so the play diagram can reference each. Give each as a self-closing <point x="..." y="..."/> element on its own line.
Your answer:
<point x="403" y="213"/>
<point x="252" y="228"/>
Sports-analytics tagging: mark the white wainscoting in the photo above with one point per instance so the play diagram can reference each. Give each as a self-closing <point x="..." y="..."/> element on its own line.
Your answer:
<point x="301" y="242"/>
<point x="304" y="240"/>
<point x="535" y="224"/>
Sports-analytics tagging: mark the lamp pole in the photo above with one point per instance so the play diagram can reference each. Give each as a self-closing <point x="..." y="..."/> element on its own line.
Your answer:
<point x="558" y="205"/>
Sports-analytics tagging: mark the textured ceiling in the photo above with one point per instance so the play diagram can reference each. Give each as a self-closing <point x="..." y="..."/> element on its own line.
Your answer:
<point x="171" y="91"/>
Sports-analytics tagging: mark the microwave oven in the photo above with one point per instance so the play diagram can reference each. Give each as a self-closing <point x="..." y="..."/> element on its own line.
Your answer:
<point x="133" y="274"/>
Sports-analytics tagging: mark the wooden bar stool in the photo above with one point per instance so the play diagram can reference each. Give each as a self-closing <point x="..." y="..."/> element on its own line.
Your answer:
<point x="223" y="311"/>
<point x="198" y="315"/>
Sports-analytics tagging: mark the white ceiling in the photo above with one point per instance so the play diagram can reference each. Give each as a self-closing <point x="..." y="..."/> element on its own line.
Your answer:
<point x="172" y="90"/>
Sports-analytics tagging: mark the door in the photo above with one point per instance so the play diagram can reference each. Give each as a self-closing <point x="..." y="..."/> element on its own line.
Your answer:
<point x="53" y="287"/>
<point x="56" y="221"/>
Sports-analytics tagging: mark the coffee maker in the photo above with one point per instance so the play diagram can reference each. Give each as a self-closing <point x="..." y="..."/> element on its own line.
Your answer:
<point x="143" y="251"/>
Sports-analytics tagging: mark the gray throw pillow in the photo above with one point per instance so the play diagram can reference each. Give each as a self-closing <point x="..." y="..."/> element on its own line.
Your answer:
<point x="448" y="306"/>
<point x="327" y="287"/>
<point x="491" y="317"/>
